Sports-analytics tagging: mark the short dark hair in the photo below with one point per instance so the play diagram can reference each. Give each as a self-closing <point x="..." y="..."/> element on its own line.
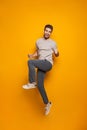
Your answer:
<point x="48" y="26"/>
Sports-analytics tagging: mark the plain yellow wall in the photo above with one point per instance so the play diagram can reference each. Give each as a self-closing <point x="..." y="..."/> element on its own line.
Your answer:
<point x="21" y="24"/>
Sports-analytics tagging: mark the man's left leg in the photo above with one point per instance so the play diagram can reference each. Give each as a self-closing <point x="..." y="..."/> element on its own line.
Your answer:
<point x="40" y="82"/>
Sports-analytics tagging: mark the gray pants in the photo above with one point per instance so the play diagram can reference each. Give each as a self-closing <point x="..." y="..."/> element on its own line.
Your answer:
<point x="43" y="66"/>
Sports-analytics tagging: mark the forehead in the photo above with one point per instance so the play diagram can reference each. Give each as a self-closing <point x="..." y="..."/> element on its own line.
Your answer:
<point x="48" y="29"/>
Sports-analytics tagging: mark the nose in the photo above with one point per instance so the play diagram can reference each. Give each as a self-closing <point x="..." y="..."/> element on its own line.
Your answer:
<point x="47" y="32"/>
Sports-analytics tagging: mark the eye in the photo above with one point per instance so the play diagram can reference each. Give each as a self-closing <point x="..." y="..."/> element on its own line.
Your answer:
<point x="49" y="31"/>
<point x="46" y="30"/>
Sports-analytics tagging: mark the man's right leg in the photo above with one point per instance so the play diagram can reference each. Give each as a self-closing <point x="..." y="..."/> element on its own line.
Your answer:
<point x="32" y="76"/>
<point x="43" y="65"/>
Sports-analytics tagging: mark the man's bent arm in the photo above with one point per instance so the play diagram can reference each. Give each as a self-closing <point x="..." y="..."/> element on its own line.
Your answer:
<point x="35" y="54"/>
<point x="56" y="54"/>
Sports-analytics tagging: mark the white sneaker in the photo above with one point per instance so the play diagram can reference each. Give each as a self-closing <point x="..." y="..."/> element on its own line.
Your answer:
<point x="47" y="108"/>
<point x="29" y="86"/>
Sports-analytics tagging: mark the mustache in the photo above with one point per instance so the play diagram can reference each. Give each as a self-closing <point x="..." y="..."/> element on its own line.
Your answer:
<point x="46" y="35"/>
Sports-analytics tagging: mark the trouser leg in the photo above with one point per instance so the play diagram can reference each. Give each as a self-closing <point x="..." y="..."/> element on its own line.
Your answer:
<point x="43" y="65"/>
<point x="40" y="81"/>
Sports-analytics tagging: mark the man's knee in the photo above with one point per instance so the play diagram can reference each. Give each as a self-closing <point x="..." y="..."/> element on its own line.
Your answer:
<point x="29" y="62"/>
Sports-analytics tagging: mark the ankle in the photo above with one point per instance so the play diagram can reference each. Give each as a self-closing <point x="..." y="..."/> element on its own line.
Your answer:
<point x="34" y="83"/>
<point x="48" y="103"/>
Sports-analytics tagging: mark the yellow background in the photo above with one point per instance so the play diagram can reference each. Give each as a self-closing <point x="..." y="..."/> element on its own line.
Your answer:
<point x="21" y="24"/>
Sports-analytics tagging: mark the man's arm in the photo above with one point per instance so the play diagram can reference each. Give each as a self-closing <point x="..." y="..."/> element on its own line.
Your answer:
<point x="34" y="55"/>
<point x="56" y="54"/>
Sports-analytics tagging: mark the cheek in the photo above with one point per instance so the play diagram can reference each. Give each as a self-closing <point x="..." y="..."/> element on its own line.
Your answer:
<point x="47" y="33"/>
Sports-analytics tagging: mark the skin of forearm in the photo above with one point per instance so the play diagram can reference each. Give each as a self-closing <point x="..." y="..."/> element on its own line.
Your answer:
<point x="35" y="54"/>
<point x="57" y="54"/>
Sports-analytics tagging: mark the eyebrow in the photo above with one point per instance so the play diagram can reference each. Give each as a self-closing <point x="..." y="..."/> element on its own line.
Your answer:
<point x="49" y="31"/>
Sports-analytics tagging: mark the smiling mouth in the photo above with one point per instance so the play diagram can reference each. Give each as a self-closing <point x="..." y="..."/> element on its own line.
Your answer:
<point x="47" y="35"/>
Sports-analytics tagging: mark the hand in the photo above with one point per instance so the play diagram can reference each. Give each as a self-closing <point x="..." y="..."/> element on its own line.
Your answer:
<point x="30" y="56"/>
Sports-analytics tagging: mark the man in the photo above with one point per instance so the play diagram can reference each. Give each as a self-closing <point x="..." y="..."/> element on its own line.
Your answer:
<point x="46" y="48"/>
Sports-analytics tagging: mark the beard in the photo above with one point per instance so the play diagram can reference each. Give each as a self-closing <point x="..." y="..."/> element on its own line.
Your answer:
<point x="46" y="36"/>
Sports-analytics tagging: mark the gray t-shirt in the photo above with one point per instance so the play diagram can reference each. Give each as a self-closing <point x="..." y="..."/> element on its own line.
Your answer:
<point x="45" y="48"/>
